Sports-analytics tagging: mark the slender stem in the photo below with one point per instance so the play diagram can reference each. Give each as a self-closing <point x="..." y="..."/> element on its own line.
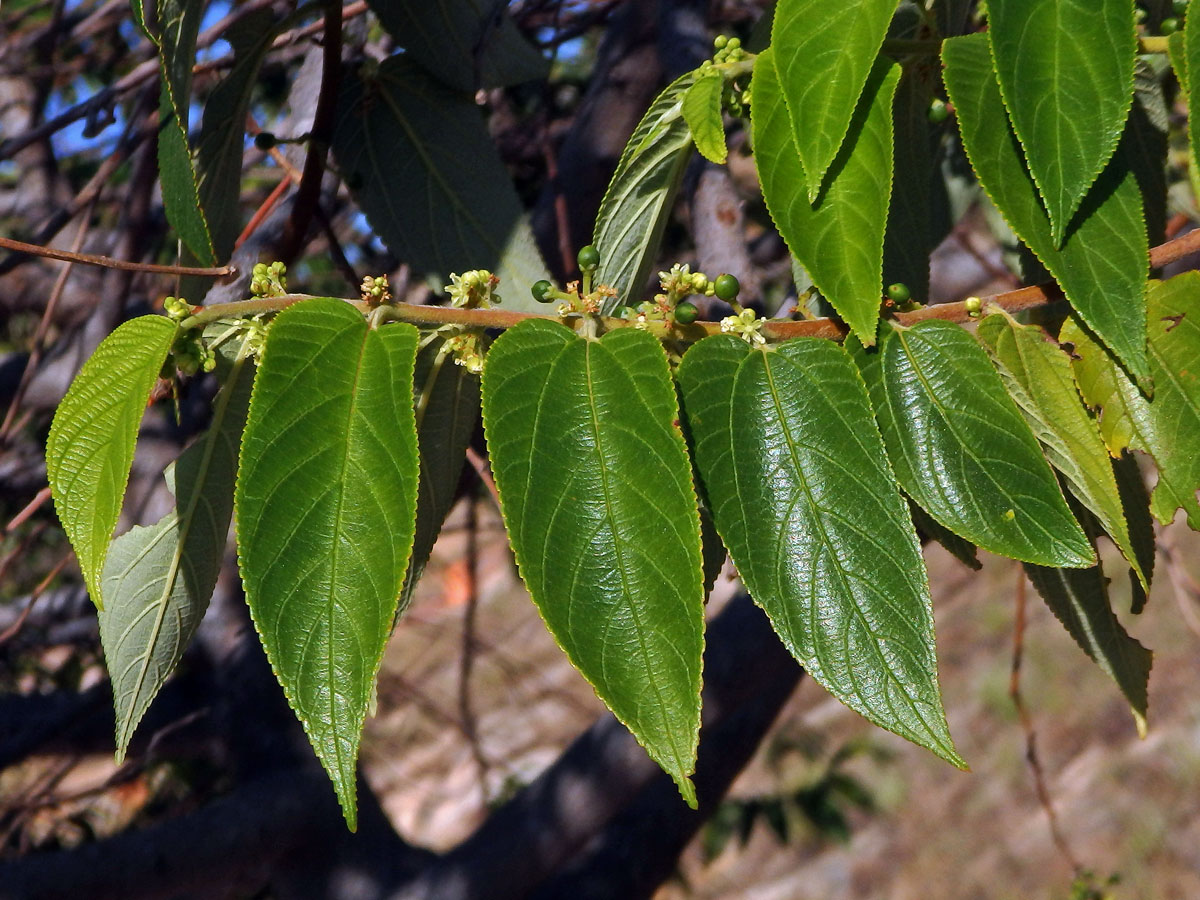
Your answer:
<point x="108" y="262"/>
<point x="778" y="329"/>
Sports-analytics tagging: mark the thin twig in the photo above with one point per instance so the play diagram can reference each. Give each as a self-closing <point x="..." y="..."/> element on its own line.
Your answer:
<point x="1031" y="754"/>
<point x="1185" y="587"/>
<point x="30" y="508"/>
<point x="108" y="262"/>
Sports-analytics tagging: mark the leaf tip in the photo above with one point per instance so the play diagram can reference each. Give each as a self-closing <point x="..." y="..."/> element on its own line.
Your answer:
<point x="687" y="790"/>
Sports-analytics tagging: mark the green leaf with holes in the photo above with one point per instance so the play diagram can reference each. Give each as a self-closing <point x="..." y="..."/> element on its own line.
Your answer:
<point x="824" y="54"/>
<point x="326" y="500"/>
<point x="638" y="201"/>
<point x="1167" y="427"/>
<point x="158" y="579"/>
<point x="839" y="241"/>
<point x="1103" y="263"/>
<point x="800" y="490"/>
<point x="1037" y="375"/>
<point x="702" y="110"/>
<point x="90" y="448"/>
<point x="961" y="448"/>
<point x="401" y="139"/>
<point x="596" y="489"/>
<point x="1065" y="68"/>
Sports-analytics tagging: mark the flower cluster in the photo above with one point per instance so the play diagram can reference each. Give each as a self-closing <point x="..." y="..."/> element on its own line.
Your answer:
<point x="468" y="350"/>
<point x="745" y="325"/>
<point x="267" y="280"/>
<point x="473" y="290"/>
<point x="178" y="309"/>
<point x="374" y="290"/>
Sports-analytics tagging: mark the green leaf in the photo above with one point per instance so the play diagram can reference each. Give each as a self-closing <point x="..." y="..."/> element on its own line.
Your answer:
<point x="1079" y="599"/>
<point x="1136" y="501"/>
<point x="220" y="147"/>
<point x="702" y="110"/>
<point x="426" y="173"/>
<point x="90" y="448"/>
<point x="467" y="44"/>
<point x="174" y="31"/>
<point x="801" y="493"/>
<point x="446" y="397"/>
<point x="1037" y="375"/>
<point x="1187" y="58"/>
<point x="962" y="450"/>
<point x="840" y="240"/>
<point x="1169" y="427"/>
<point x="158" y="580"/>
<point x="638" y="201"/>
<point x="1065" y="69"/>
<point x="914" y="229"/>
<point x="596" y="488"/>
<point x="326" y="500"/>
<point x="824" y="54"/>
<point x="1103" y="262"/>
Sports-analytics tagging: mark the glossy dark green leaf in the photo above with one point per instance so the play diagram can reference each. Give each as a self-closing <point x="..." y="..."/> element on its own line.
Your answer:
<point x="1065" y="69"/>
<point x="446" y="397"/>
<point x="424" y="170"/>
<point x="824" y="54"/>
<point x="1103" y="263"/>
<point x="702" y="110"/>
<point x="840" y="240"/>
<point x="1186" y="55"/>
<point x="1167" y="428"/>
<point x="961" y="448"/>
<point x="801" y="493"/>
<point x="90" y="448"/>
<point x="639" y="197"/>
<point x="326" y="500"/>
<point x="596" y="488"/>
<point x="157" y="580"/>
<point x="914" y="228"/>
<point x="1038" y="377"/>
<point x="1079" y="599"/>
<point x="467" y="44"/>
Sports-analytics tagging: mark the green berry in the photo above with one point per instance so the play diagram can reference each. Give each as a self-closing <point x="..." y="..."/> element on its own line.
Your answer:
<point x="720" y="41"/>
<point x="588" y="259"/>
<point x="727" y="287"/>
<point x="542" y="290"/>
<point x="264" y="140"/>
<point x="733" y="43"/>
<point x="938" y="112"/>
<point x="686" y="313"/>
<point x="899" y="293"/>
<point x="1169" y="26"/>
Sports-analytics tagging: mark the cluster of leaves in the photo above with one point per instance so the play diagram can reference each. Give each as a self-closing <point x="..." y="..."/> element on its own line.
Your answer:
<point x="623" y="477"/>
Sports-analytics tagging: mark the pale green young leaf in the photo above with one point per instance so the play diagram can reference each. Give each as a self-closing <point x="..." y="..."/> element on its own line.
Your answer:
<point x="840" y="240"/>
<point x="466" y="44"/>
<point x="800" y="490"/>
<point x="1079" y="599"/>
<point x="596" y="489"/>
<point x="1065" y="69"/>
<point x="157" y="580"/>
<point x="1037" y="374"/>
<point x="702" y="110"/>
<point x="638" y="201"/>
<point x="326" y="502"/>
<point x="90" y="448"/>
<point x="961" y="448"/>
<point x="1167" y="428"/>
<point x="422" y="167"/>
<point x="446" y="397"/>
<point x="1103" y="263"/>
<point x="824" y="54"/>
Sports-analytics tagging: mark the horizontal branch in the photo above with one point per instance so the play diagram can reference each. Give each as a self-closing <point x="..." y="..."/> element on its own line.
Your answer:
<point x="778" y="329"/>
<point x="109" y="262"/>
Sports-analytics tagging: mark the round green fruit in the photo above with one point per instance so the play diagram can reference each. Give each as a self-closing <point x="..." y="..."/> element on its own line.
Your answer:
<point x="542" y="291"/>
<point x="686" y="313"/>
<point x="899" y="293"/>
<point x="726" y="287"/>
<point x="588" y="259"/>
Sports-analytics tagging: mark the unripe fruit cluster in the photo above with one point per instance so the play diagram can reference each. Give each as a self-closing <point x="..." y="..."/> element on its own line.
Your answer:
<point x="267" y="280"/>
